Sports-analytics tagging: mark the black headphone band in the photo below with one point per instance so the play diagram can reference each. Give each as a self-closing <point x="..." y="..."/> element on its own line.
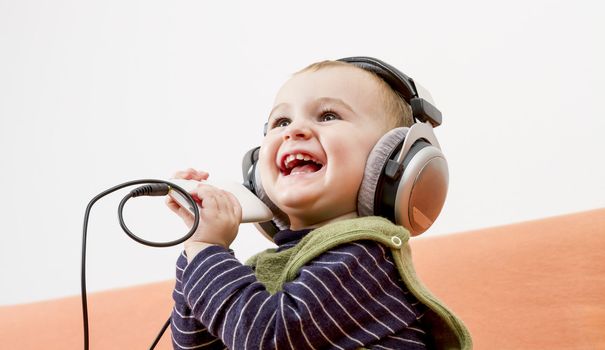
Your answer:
<point x="403" y="85"/>
<point x="398" y="81"/>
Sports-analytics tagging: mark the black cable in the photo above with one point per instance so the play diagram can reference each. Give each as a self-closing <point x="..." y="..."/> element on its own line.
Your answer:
<point x="153" y="188"/>
<point x="160" y="333"/>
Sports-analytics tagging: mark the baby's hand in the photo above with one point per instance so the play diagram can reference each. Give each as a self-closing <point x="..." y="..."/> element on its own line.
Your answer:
<point x="189" y="174"/>
<point x="220" y="211"/>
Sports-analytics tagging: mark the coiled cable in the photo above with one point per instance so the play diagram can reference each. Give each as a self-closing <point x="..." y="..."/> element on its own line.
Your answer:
<point x="152" y="187"/>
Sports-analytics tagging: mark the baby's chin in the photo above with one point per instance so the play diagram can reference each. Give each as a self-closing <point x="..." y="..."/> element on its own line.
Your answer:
<point x="314" y="206"/>
<point x="318" y="217"/>
<point x="293" y="200"/>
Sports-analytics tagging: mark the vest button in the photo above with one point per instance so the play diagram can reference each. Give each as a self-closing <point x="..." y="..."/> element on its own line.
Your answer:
<point x="396" y="241"/>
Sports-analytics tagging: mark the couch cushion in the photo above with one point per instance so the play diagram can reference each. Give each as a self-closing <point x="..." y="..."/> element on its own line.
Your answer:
<point x="530" y="285"/>
<point x="128" y="318"/>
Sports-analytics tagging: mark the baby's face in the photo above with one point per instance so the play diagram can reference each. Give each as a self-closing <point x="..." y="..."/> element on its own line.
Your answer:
<point x="320" y="131"/>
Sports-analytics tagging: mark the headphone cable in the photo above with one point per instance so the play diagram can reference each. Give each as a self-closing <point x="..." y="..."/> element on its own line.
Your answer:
<point x="152" y="188"/>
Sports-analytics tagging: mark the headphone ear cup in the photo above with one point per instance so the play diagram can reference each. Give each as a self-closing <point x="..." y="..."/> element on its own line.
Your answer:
<point x="384" y="149"/>
<point x="279" y="217"/>
<point x="414" y="196"/>
<point x="422" y="188"/>
<point x="252" y="181"/>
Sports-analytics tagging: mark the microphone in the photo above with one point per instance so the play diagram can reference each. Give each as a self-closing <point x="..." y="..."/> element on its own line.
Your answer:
<point x="253" y="208"/>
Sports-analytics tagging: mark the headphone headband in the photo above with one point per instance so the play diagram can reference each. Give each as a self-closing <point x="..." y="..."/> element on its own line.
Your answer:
<point x="423" y="109"/>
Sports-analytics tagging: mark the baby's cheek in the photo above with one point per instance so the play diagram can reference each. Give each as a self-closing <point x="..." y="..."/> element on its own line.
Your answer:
<point x="352" y="178"/>
<point x="266" y="169"/>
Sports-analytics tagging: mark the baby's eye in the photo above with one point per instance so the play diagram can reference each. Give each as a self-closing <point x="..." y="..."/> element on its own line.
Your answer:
<point x="281" y="123"/>
<point x="328" y="116"/>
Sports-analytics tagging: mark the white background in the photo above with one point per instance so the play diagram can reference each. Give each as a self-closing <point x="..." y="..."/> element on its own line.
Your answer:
<point x="93" y="94"/>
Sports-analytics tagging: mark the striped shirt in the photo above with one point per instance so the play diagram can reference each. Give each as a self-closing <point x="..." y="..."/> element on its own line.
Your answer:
<point x="348" y="297"/>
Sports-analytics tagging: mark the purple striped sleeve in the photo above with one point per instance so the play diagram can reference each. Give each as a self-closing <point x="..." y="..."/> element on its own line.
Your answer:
<point x="347" y="298"/>
<point x="187" y="331"/>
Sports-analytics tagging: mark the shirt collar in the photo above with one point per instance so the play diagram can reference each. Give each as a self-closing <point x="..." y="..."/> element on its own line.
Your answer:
<point x="289" y="236"/>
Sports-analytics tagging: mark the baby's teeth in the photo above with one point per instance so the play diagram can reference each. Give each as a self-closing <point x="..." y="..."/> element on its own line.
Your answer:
<point x="289" y="159"/>
<point x="298" y="156"/>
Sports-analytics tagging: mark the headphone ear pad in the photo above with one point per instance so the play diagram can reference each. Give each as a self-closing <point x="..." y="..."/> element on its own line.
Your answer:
<point x="375" y="164"/>
<point x="279" y="217"/>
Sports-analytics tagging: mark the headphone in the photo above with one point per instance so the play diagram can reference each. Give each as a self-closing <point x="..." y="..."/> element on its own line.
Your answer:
<point x="406" y="174"/>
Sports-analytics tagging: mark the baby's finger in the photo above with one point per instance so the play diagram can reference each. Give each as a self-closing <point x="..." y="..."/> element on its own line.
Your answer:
<point x="207" y="195"/>
<point x="199" y="175"/>
<point x="221" y="200"/>
<point x="175" y="207"/>
<point x="180" y="211"/>
<point x="184" y="174"/>
<point x="171" y="204"/>
<point x="236" y="208"/>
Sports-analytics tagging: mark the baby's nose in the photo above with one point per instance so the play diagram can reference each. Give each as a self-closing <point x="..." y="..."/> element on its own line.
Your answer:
<point x="297" y="131"/>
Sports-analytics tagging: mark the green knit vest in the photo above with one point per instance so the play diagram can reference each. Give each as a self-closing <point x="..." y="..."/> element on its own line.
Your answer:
<point x="273" y="269"/>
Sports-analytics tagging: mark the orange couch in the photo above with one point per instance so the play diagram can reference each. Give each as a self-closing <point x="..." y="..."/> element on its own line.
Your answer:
<point x="531" y="285"/>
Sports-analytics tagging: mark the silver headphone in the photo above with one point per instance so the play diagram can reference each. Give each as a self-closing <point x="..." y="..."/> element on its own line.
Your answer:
<point x="406" y="174"/>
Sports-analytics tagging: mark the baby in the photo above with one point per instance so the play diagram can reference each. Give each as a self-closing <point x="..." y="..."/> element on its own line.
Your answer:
<point x="319" y="288"/>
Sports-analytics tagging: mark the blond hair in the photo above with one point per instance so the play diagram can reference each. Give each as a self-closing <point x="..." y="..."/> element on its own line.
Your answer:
<point x="399" y="112"/>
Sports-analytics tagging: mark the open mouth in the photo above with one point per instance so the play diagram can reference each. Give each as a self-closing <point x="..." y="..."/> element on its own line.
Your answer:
<point x="299" y="163"/>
